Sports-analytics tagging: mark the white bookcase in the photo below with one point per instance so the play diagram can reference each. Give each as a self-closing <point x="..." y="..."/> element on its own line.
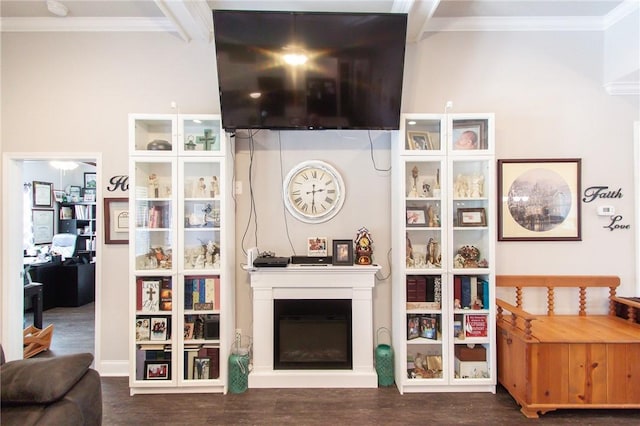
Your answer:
<point x="444" y="232"/>
<point x="181" y="226"/>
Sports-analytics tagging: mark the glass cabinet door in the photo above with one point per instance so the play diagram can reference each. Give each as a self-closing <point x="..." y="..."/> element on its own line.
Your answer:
<point x="156" y="134"/>
<point x="424" y="135"/>
<point x="200" y="134"/>
<point x="200" y="214"/>
<point x="153" y="215"/>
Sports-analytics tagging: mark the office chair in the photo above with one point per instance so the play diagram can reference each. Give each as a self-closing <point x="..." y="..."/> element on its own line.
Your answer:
<point x="64" y="244"/>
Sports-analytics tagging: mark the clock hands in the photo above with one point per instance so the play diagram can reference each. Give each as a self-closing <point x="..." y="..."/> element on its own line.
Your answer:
<point x="313" y="196"/>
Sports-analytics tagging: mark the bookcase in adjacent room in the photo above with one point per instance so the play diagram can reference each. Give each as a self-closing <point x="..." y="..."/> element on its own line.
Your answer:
<point x="181" y="253"/>
<point x="443" y="237"/>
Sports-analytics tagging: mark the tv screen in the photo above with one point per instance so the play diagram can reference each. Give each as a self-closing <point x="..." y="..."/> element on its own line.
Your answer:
<point x="309" y="70"/>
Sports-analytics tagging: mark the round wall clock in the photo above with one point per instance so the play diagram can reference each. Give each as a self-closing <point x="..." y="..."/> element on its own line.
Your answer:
<point x="313" y="191"/>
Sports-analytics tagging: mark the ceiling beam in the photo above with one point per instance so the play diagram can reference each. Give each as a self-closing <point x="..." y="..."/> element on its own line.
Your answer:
<point x="192" y="19"/>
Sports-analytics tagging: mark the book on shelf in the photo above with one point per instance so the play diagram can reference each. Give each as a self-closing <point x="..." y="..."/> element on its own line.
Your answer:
<point x="148" y="294"/>
<point x="421" y="288"/>
<point x="201" y="293"/>
<point x="166" y="295"/>
<point x="422" y="305"/>
<point x="475" y="325"/>
<point x="470" y="292"/>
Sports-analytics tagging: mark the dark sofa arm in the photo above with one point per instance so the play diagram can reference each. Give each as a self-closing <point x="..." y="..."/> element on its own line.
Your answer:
<point x="41" y="380"/>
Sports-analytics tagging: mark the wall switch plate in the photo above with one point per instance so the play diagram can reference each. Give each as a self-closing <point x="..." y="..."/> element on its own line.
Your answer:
<point x="606" y="210"/>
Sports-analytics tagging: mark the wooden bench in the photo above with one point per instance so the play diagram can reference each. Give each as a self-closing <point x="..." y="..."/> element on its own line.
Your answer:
<point x="573" y="361"/>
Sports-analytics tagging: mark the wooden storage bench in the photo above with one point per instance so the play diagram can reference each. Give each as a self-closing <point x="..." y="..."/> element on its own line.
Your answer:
<point x="554" y="361"/>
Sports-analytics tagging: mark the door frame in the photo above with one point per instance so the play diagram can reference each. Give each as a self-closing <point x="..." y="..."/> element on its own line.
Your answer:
<point x="12" y="272"/>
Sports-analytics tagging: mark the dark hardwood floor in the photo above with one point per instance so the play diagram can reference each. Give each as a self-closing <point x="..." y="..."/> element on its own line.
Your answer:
<point x="73" y="329"/>
<point x="383" y="406"/>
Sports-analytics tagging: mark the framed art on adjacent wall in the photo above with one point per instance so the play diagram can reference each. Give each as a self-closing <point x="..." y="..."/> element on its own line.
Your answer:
<point x="42" y="226"/>
<point x="42" y="194"/>
<point x="116" y="220"/>
<point x="539" y="200"/>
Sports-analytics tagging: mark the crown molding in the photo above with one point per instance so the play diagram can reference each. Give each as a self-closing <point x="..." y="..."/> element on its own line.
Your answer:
<point x="623" y="88"/>
<point x="622" y="11"/>
<point x="515" y="24"/>
<point x="73" y="24"/>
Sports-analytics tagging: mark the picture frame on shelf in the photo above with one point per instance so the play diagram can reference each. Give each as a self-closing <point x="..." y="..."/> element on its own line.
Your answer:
<point x="469" y="217"/>
<point x="42" y="221"/>
<point x="116" y="220"/>
<point x="342" y="252"/>
<point x="201" y="368"/>
<point x="317" y="246"/>
<point x="157" y="370"/>
<point x="58" y="195"/>
<point x="188" y="330"/>
<point x="539" y="199"/>
<point x="74" y="193"/>
<point x="42" y="194"/>
<point x="158" y="328"/>
<point x="90" y="180"/>
<point x="416" y="216"/>
<point x="469" y="135"/>
<point x="143" y="330"/>
<point x="89" y="195"/>
<point x="419" y="141"/>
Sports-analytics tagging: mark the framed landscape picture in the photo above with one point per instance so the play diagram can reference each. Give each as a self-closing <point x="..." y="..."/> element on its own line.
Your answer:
<point x="539" y="200"/>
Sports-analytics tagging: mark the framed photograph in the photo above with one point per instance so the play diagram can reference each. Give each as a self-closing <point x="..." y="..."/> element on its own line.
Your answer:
<point x="90" y="180"/>
<point x="74" y="193"/>
<point x="143" y="331"/>
<point x="116" y="220"/>
<point x="157" y="370"/>
<point x="201" y="368"/>
<point x="58" y="194"/>
<point x="316" y="246"/>
<point x="539" y="200"/>
<point x="158" y="328"/>
<point x="472" y="217"/>
<point x="89" y="195"/>
<point x="42" y="226"/>
<point x="42" y="194"/>
<point x="469" y="135"/>
<point x="342" y="252"/>
<point x="416" y="216"/>
<point x="419" y="141"/>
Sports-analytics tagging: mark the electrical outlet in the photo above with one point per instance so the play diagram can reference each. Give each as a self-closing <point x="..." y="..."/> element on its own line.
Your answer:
<point x="238" y="333"/>
<point x="238" y="187"/>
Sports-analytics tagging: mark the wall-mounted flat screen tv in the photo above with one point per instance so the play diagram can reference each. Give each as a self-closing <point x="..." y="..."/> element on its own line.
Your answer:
<point x="309" y="70"/>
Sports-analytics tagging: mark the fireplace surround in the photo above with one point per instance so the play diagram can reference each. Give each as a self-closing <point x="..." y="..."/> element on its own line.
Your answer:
<point x="313" y="283"/>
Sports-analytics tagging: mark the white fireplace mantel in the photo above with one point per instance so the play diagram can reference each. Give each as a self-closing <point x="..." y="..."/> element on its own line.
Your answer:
<point x="313" y="282"/>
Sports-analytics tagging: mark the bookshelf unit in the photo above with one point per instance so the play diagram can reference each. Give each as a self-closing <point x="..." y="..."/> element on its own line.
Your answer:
<point x="79" y="219"/>
<point x="181" y="254"/>
<point x="443" y="238"/>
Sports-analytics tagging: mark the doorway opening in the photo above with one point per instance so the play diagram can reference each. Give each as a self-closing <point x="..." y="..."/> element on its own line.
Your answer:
<point x="42" y="196"/>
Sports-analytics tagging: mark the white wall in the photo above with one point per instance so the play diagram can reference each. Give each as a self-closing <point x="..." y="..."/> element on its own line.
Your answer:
<point x="74" y="91"/>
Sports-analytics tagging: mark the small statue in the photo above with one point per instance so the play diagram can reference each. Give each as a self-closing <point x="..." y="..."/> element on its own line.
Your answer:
<point x="363" y="247"/>
<point x="414" y="188"/>
<point x="153" y="185"/>
<point x="214" y="186"/>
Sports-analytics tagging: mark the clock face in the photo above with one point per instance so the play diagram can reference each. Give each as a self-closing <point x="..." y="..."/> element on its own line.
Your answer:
<point x="314" y="191"/>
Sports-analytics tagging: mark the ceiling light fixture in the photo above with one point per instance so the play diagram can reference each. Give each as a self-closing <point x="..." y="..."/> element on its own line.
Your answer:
<point x="64" y="165"/>
<point x="57" y="8"/>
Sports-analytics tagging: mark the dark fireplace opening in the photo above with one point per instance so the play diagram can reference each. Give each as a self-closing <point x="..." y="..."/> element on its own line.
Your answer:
<point x="312" y="334"/>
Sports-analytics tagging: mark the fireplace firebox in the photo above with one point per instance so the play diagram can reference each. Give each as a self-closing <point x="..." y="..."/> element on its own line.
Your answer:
<point x="312" y="334"/>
